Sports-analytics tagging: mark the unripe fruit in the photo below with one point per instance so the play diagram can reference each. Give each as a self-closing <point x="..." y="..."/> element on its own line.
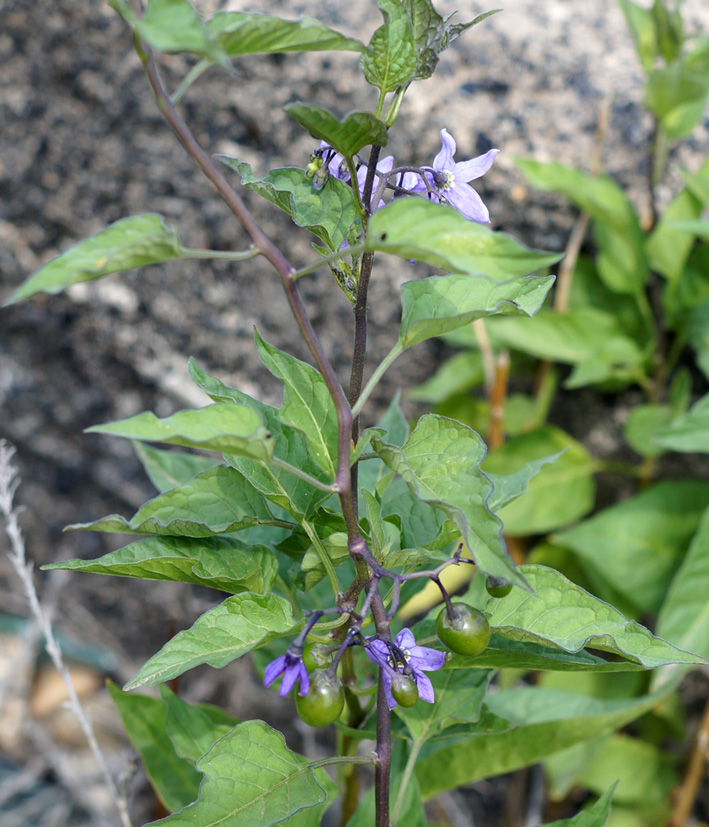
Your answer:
<point x="404" y="690"/>
<point x="467" y="632"/>
<point x="317" y="656"/>
<point x="324" y="702"/>
<point x="497" y="587"/>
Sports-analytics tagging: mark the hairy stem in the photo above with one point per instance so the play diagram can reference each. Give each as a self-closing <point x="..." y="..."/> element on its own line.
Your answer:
<point x="382" y="770"/>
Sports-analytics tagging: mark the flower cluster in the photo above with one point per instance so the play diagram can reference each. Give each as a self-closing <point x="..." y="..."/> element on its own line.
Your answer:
<point x="444" y="182"/>
<point x="420" y="659"/>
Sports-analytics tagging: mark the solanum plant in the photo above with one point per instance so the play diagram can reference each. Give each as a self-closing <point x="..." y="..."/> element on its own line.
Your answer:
<point x="320" y="530"/>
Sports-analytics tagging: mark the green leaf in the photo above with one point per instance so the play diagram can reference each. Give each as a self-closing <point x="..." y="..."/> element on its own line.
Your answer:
<point x="328" y="213"/>
<point x="668" y="246"/>
<point x="193" y="729"/>
<point x="124" y="245"/>
<point x="294" y="495"/>
<point x="642" y="26"/>
<point x="505" y="653"/>
<point x="347" y="136"/>
<point x="595" y="816"/>
<point x="688" y="433"/>
<point x="231" y="428"/>
<point x="645" y="772"/>
<point x="223" y="563"/>
<point x="644" y="422"/>
<point x="172" y="26"/>
<point x="621" y="261"/>
<point x="546" y="721"/>
<point x="636" y="545"/>
<point x="171" y="469"/>
<point x="559" y="613"/>
<point x="459" y="697"/>
<point x="173" y="777"/>
<point x="390" y="59"/>
<point x="438" y="234"/>
<point x="217" y="501"/>
<point x="676" y="95"/>
<point x="239" y="33"/>
<point x="433" y="33"/>
<point x="252" y="778"/>
<point x="313" y="570"/>
<point x="219" y="636"/>
<point x="307" y="403"/>
<point x="440" y="463"/>
<point x="437" y="305"/>
<point x="559" y="493"/>
<point x="507" y="487"/>
<point x="684" y="616"/>
<point x="456" y="375"/>
<point x="593" y="340"/>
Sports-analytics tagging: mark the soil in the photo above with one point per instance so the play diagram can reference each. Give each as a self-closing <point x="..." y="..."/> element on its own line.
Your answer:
<point x="82" y="145"/>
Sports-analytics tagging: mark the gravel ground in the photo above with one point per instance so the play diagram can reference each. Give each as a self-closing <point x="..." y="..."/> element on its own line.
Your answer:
<point x="82" y="145"/>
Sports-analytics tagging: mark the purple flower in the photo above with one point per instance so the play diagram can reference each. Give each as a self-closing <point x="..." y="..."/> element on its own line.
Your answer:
<point x="420" y="658"/>
<point x="337" y="165"/>
<point x="384" y="167"/>
<point x="292" y="668"/>
<point x="448" y="181"/>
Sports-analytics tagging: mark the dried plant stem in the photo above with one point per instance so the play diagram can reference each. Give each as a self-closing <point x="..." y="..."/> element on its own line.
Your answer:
<point x="8" y="486"/>
<point x="695" y="775"/>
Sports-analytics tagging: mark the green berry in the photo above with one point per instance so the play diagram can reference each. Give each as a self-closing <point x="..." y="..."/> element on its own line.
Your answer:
<point x="466" y="632"/>
<point x="404" y="690"/>
<point x="497" y="587"/>
<point x="324" y="701"/>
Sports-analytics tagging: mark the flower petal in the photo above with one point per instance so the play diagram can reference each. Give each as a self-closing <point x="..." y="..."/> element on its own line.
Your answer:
<point x="470" y="170"/>
<point x="405" y="639"/>
<point x="426" y="659"/>
<point x="290" y="676"/>
<point x="468" y="202"/>
<point x="273" y="670"/>
<point x="386" y="677"/>
<point x="425" y="687"/>
<point x="377" y="651"/>
<point x="304" y="680"/>
<point x="444" y="159"/>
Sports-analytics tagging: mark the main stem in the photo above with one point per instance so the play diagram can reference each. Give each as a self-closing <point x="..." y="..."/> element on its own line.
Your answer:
<point x="344" y="484"/>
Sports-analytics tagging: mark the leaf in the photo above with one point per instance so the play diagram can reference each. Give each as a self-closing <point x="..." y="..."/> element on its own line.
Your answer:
<point x="390" y="58"/>
<point x="124" y="245"/>
<point x="684" y="616"/>
<point x="296" y="496"/>
<point x="642" y="27"/>
<point x="621" y="261"/>
<point x="459" y="696"/>
<point x="559" y="493"/>
<point x="668" y="246"/>
<point x="231" y="428"/>
<point x="559" y="613"/>
<point x="688" y="433"/>
<point x="437" y="305"/>
<point x="171" y="469"/>
<point x="219" y="636"/>
<point x="193" y="729"/>
<point x="546" y="721"/>
<point x="217" y="501"/>
<point x="172" y="26"/>
<point x="676" y="95"/>
<point x="252" y="778"/>
<point x="173" y="777"/>
<point x="464" y="370"/>
<point x="636" y="545"/>
<point x="595" y="816"/>
<point x="307" y="403"/>
<point x="593" y="340"/>
<point x="239" y="33"/>
<point x="438" y="234"/>
<point x="505" y="653"/>
<point x="347" y="136"/>
<point x="641" y="427"/>
<point x="433" y="34"/>
<point x="328" y="213"/>
<point x="507" y="487"/>
<point x="223" y="563"/>
<point x="440" y="463"/>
